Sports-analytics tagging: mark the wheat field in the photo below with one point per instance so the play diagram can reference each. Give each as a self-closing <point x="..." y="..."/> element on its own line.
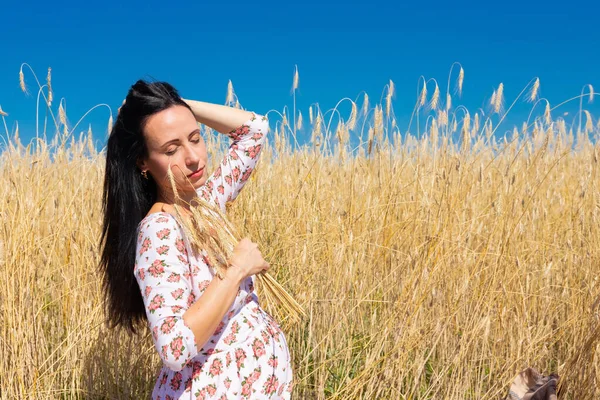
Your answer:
<point x="432" y="265"/>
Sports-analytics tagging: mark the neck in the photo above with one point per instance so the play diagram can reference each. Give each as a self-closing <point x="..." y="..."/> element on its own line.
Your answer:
<point x="168" y="198"/>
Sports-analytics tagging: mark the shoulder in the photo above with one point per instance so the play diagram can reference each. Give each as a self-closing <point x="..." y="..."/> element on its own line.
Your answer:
<point x="160" y="226"/>
<point x="160" y="235"/>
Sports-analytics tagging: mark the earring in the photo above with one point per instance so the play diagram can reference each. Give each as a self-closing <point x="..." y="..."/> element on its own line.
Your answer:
<point x="145" y="174"/>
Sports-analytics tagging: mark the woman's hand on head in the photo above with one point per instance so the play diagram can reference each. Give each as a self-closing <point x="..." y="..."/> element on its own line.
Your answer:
<point x="246" y="260"/>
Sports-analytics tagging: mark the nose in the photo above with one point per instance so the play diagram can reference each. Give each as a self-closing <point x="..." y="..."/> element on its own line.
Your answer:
<point x="191" y="158"/>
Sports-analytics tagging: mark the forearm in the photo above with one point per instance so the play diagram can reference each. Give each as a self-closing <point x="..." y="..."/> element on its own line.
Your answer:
<point x="221" y="118"/>
<point x="204" y="316"/>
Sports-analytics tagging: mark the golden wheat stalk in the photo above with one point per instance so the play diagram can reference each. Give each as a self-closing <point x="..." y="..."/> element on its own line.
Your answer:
<point x="49" y="82"/>
<point x="22" y="80"/>
<point x="299" y="122"/>
<point x="229" y="97"/>
<point x="498" y="101"/>
<point x="209" y="229"/>
<point x="435" y="98"/>
<point x="534" y="91"/>
<point x="296" y="79"/>
<point x="461" y="79"/>
<point x="353" y="113"/>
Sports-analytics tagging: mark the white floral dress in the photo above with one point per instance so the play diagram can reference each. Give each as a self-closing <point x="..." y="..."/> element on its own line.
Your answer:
<point x="247" y="356"/>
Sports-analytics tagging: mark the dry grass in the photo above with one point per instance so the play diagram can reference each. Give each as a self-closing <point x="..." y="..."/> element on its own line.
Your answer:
<point x="427" y="272"/>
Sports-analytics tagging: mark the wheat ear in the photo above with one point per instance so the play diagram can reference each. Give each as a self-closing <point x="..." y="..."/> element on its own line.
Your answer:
<point x="209" y="228"/>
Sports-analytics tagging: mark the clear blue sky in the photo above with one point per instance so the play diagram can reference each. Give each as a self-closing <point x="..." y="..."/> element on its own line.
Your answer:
<point x="341" y="49"/>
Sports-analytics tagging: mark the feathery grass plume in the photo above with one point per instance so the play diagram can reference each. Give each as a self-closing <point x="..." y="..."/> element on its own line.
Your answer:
<point x="461" y="78"/>
<point x="561" y="126"/>
<point x="278" y="140"/>
<point x="547" y="116"/>
<point x="344" y="134"/>
<point x="338" y="133"/>
<point x="284" y="121"/>
<point x="476" y="123"/>
<point x="448" y="102"/>
<point x="370" y="140"/>
<point x="534" y="91"/>
<point x="22" y="81"/>
<point x="310" y="114"/>
<point x="591" y="98"/>
<point x="466" y="126"/>
<point x="499" y="98"/>
<point x="229" y="98"/>
<point x="435" y="98"/>
<point x="2" y="113"/>
<point x="62" y="115"/>
<point x="296" y="79"/>
<point x="49" y="82"/>
<point x="454" y="125"/>
<point x="488" y="129"/>
<point x="466" y="137"/>
<point x="365" y="106"/>
<point x="423" y="96"/>
<point x="299" y="122"/>
<point x="316" y="136"/>
<point x="353" y="113"/>
<point x="110" y="123"/>
<point x="393" y="123"/>
<point x="434" y="132"/>
<point x="378" y="123"/>
<point x="90" y="140"/>
<point x="442" y="118"/>
<point x="210" y="230"/>
<point x="588" y="122"/>
<point x="388" y="98"/>
<point x="493" y="99"/>
<point x="536" y="130"/>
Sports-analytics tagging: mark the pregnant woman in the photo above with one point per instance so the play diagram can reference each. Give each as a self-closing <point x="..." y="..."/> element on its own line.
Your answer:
<point x="214" y="339"/>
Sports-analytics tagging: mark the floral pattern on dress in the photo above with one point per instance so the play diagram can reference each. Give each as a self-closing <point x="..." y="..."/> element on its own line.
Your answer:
<point x="247" y="355"/>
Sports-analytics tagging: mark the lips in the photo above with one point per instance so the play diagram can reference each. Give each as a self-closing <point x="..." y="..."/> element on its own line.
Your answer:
<point x="196" y="173"/>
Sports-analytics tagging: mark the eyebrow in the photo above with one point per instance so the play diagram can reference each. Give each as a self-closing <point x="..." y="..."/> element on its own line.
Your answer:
<point x="177" y="140"/>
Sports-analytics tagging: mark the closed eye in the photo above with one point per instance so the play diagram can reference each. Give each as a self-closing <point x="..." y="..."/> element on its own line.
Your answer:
<point x="194" y="138"/>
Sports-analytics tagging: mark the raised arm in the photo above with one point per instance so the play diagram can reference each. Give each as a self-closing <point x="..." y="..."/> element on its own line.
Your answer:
<point x="248" y="137"/>
<point x="223" y="119"/>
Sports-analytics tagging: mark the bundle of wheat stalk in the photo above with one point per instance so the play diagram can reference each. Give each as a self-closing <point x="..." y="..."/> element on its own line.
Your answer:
<point x="209" y="229"/>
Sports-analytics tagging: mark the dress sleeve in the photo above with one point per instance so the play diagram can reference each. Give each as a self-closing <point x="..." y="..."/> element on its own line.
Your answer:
<point x="163" y="274"/>
<point x="234" y="170"/>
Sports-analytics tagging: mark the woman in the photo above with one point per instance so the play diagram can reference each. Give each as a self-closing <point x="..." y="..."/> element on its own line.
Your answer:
<point x="214" y="339"/>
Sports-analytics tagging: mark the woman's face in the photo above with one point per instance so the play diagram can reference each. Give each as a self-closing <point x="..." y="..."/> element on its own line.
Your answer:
<point x="173" y="139"/>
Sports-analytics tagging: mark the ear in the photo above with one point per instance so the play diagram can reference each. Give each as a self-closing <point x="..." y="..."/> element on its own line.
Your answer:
<point x="142" y="165"/>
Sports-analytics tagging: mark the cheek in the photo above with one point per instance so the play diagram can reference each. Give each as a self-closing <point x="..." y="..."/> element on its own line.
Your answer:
<point x="160" y="167"/>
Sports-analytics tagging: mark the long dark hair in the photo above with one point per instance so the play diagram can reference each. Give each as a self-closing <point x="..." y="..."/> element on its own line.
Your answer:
<point x="127" y="198"/>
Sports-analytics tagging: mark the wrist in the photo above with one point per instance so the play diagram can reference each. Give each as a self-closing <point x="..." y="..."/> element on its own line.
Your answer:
<point x="196" y="107"/>
<point x="234" y="272"/>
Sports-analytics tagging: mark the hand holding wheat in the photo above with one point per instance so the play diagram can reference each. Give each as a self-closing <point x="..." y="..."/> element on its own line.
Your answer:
<point x="209" y="229"/>
<point x="246" y="260"/>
